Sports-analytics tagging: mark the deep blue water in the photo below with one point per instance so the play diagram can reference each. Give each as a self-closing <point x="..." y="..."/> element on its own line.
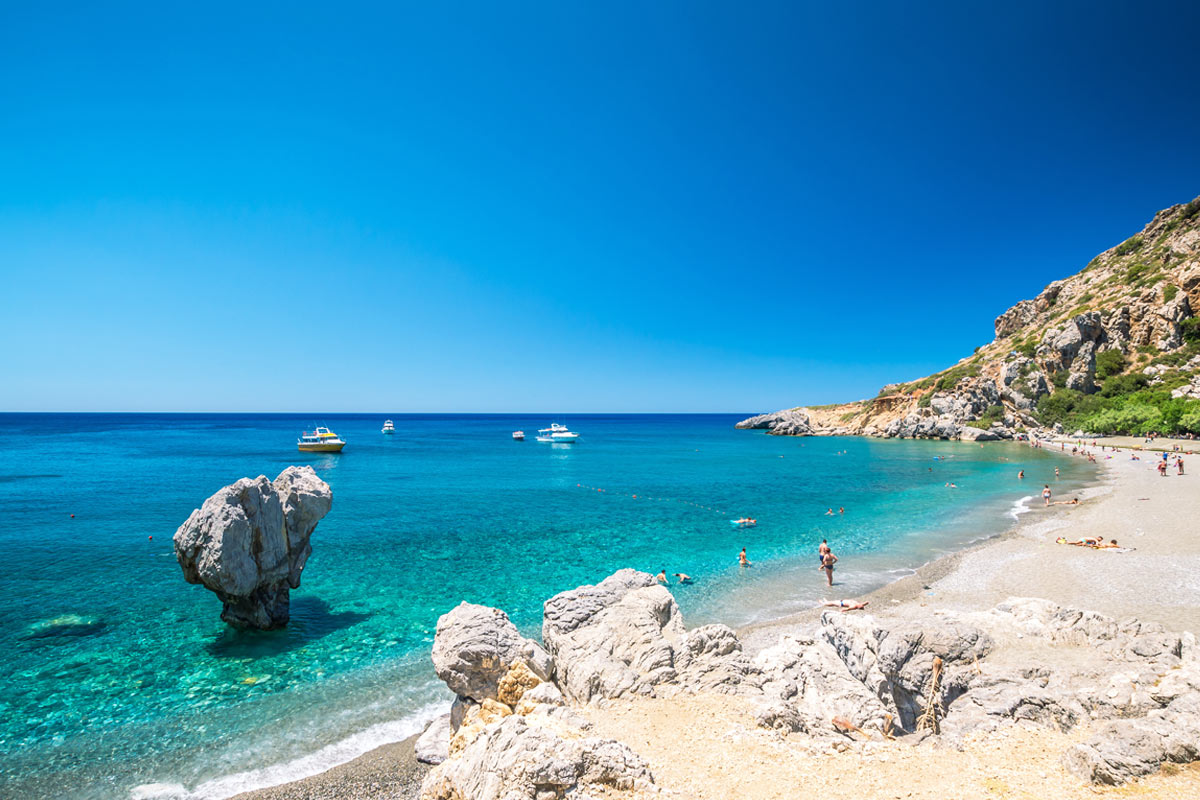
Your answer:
<point x="118" y="674"/>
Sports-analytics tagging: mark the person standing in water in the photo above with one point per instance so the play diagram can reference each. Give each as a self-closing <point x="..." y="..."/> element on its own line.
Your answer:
<point x="742" y="560"/>
<point x="822" y="549"/>
<point x="1021" y="474"/>
<point x="827" y="562"/>
<point x="1046" y="494"/>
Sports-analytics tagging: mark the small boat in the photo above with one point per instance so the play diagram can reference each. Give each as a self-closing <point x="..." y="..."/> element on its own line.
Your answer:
<point x="558" y="434"/>
<point x="519" y="435"/>
<point x="388" y="427"/>
<point x="744" y="522"/>
<point x="321" y="440"/>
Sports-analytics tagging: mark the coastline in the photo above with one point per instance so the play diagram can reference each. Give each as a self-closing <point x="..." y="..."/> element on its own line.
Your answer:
<point x="371" y="774"/>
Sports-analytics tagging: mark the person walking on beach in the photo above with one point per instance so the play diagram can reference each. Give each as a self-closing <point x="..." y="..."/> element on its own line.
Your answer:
<point x="1046" y="494"/>
<point x="1162" y="468"/>
<point x="1179" y="464"/>
<point x="827" y="562"/>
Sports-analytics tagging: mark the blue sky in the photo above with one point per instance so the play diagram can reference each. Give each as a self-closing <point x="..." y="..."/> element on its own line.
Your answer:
<point x="549" y="207"/>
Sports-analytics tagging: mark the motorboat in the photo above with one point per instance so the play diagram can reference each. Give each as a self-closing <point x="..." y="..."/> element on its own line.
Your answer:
<point x="558" y="434"/>
<point x="388" y="427"/>
<point x="519" y="435"/>
<point x="321" y="440"/>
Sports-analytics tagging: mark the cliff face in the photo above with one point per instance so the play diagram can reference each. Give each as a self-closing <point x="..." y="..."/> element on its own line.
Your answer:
<point x="1124" y="324"/>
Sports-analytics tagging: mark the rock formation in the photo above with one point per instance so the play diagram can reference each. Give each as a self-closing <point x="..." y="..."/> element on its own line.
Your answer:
<point x="514" y="731"/>
<point x="249" y="542"/>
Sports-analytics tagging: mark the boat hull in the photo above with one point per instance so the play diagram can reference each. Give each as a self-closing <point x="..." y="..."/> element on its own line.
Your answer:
<point x="321" y="447"/>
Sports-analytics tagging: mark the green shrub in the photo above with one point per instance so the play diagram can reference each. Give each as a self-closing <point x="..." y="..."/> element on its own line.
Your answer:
<point x="1109" y="363"/>
<point x="1130" y="245"/>
<point x="1059" y="379"/>
<point x="1085" y="297"/>
<point x="924" y="400"/>
<point x="1191" y="209"/>
<point x="1190" y="329"/>
<point x="1028" y="348"/>
<point x="1123" y="385"/>
<point x="992" y="414"/>
<point x="1169" y="293"/>
<point x="1136" y="271"/>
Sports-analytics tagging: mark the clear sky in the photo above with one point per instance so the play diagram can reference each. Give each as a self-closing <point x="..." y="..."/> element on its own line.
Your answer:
<point x="556" y="207"/>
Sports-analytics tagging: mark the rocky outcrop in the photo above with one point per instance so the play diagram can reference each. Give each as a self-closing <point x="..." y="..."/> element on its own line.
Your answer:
<point x="793" y="422"/>
<point x="625" y="635"/>
<point x="513" y="759"/>
<point x="249" y="543"/>
<point x="1135" y="299"/>
<point x="515" y="733"/>
<point x="475" y="647"/>
<point x="1130" y="748"/>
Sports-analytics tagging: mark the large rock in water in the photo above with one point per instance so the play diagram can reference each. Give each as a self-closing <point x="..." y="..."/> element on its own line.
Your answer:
<point x="249" y="542"/>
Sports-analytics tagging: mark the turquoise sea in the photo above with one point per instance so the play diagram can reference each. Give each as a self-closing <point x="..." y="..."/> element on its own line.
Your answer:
<point x="121" y="681"/>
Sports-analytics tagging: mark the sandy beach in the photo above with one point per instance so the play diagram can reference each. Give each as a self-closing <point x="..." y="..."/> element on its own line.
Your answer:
<point x="707" y="746"/>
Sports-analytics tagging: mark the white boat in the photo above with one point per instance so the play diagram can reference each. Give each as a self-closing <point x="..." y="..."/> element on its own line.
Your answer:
<point x="321" y="440"/>
<point x="388" y="427"/>
<point x="556" y="433"/>
<point x="519" y="435"/>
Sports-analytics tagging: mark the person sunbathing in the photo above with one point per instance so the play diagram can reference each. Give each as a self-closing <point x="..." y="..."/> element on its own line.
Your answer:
<point x="846" y="605"/>
<point x="1096" y="542"/>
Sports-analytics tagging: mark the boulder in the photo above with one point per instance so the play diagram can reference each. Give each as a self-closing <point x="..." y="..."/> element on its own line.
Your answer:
<point x="248" y="543"/>
<point x="513" y="760"/>
<point x="433" y="747"/>
<point x="476" y="646"/>
<point x="1129" y="748"/>
<point x="625" y="635"/>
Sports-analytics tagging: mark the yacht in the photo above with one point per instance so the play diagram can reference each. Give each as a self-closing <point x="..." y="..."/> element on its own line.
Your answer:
<point x="388" y="427"/>
<point x="321" y="440"/>
<point x="557" y="433"/>
<point x="519" y="435"/>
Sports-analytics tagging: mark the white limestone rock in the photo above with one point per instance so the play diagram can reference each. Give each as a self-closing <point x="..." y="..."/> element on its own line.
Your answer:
<point x="249" y="543"/>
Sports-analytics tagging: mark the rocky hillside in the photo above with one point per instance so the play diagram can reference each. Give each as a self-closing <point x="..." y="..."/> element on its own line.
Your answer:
<point x="1114" y="348"/>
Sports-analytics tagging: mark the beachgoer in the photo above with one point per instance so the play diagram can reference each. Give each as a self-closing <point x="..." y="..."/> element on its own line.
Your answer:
<point x="1179" y="464"/>
<point x="683" y="578"/>
<point x="829" y="512"/>
<point x="841" y="509"/>
<point x="822" y="549"/>
<point x="1021" y="474"/>
<point x="827" y="562"/>
<point x="846" y="605"/>
<point x="1046" y="494"/>
<point x="1056" y="472"/>
<point x="661" y="576"/>
<point x="742" y="560"/>
<point x="1162" y="468"/>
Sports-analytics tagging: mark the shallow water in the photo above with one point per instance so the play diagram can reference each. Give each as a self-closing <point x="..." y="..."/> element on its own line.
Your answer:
<point x="120" y="675"/>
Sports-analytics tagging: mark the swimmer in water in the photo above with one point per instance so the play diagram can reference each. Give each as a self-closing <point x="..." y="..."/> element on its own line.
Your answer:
<point x="829" y="512"/>
<point x="841" y="509"/>
<point x="661" y="576"/>
<point x="683" y="578"/>
<point x="1021" y="474"/>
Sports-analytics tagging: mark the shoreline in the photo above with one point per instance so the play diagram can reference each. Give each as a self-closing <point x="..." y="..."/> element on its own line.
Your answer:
<point x="347" y="779"/>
